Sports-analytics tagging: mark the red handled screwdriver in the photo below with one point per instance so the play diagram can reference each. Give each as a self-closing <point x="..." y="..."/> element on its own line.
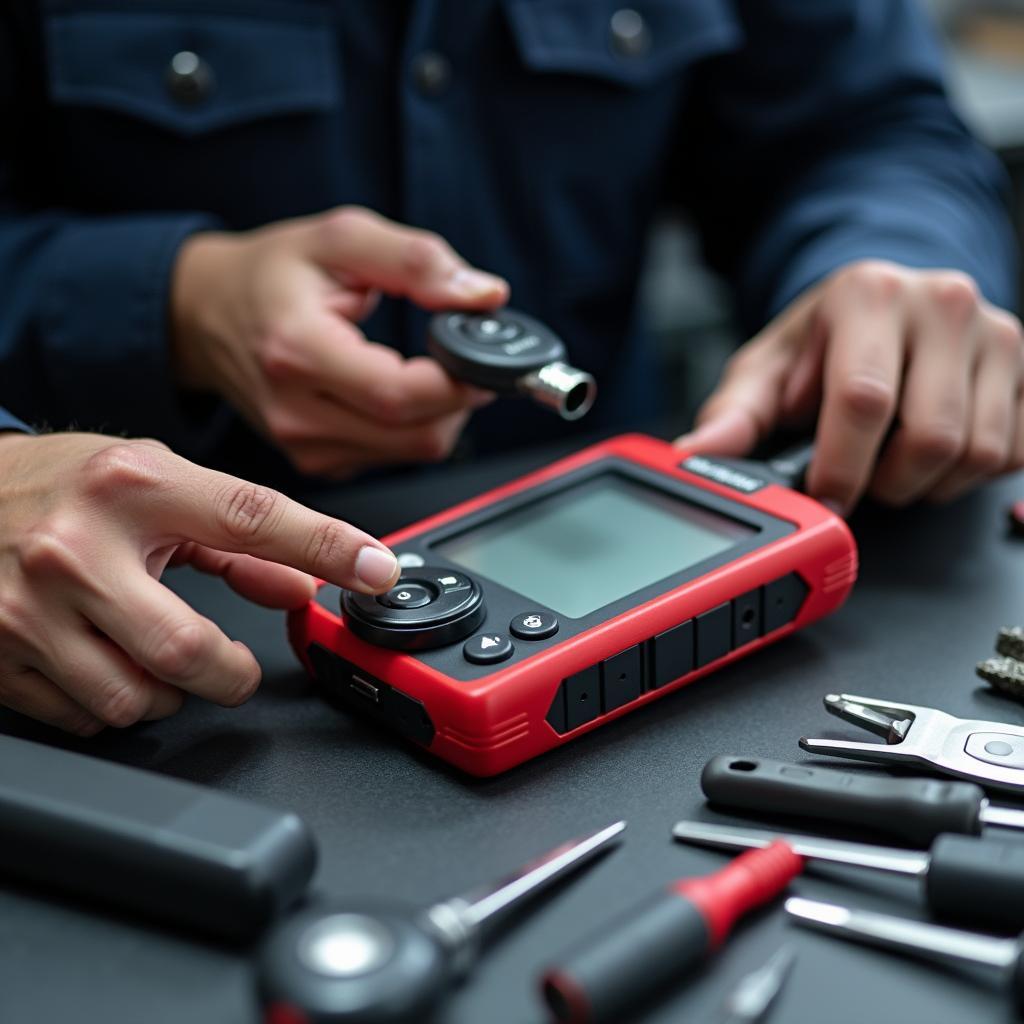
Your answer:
<point x="653" y="944"/>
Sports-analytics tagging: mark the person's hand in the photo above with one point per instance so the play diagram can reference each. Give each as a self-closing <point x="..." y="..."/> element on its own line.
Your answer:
<point x="267" y="320"/>
<point x="88" y="635"/>
<point x="878" y="347"/>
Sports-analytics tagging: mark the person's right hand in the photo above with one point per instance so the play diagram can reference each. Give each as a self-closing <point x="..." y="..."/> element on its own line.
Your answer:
<point x="267" y="320"/>
<point x="88" y="634"/>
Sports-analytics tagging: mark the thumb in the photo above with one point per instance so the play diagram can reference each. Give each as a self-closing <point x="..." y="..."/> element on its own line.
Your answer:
<point x="362" y="249"/>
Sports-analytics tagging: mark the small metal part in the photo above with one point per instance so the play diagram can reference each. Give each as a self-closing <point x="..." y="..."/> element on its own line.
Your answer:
<point x="931" y="941"/>
<point x="1004" y="674"/>
<point x="984" y="752"/>
<point x="863" y="855"/>
<point x="1010" y="642"/>
<point x="570" y="392"/>
<point x="751" y="999"/>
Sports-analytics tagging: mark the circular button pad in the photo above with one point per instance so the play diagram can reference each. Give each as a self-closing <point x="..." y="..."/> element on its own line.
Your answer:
<point x="534" y="626"/>
<point x="428" y="607"/>
<point x="487" y="648"/>
<point x="408" y="595"/>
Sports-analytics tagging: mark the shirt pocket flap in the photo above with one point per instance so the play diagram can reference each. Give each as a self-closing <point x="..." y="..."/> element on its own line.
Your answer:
<point x="633" y="46"/>
<point x="251" y="68"/>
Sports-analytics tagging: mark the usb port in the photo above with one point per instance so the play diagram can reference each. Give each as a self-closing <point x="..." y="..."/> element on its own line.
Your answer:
<point x="365" y="688"/>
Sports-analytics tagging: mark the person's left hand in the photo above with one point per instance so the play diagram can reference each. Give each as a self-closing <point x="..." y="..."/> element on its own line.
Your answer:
<point x="877" y="346"/>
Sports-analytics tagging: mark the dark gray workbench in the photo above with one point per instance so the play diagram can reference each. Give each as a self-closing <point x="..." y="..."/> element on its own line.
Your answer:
<point x="935" y="585"/>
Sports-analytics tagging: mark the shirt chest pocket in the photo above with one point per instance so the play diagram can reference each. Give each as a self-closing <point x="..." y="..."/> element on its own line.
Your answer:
<point x="147" y="98"/>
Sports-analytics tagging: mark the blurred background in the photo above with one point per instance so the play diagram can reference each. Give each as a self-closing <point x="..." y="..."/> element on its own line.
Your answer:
<point x="689" y="310"/>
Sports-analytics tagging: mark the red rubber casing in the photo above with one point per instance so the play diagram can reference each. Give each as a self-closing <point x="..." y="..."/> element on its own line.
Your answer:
<point x="490" y="725"/>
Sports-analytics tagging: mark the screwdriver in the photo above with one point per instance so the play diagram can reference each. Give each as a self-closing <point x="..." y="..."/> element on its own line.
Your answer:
<point x="965" y="879"/>
<point x="654" y="943"/>
<point x="915" y="810"/>
<point x="930" y="941"/>
<point x="750" y="1001"/>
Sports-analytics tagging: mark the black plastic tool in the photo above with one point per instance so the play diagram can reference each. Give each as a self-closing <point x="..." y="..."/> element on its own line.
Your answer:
<point x="343" y="963"/>
<point x="929" y="941"/>
<point x="511" y="353"/>
<point x="164" y="848"/>
<point x="917" y="811"/>
<point x="979" y="881"/>
<point x="656" y="943"/>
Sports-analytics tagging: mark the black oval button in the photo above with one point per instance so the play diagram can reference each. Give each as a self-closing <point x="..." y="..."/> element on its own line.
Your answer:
<point x="534" y="626"/>
<point x="407" y="595"/>
<point x="189" y="78"/>
<point x="487" y="648"/>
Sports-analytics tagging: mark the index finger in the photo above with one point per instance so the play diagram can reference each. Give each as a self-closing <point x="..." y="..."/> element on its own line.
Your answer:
<point x="223" y="512"/>
<point x="864" y="359"/>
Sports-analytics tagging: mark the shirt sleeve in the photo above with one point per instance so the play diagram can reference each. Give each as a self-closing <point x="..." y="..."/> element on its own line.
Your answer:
<point x="829" y="138"/>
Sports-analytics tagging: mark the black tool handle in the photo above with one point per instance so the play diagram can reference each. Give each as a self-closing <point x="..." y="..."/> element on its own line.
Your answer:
<point x="977" y="881"/>
<point x="914" y="810"/>
<point x="637" y="954"/>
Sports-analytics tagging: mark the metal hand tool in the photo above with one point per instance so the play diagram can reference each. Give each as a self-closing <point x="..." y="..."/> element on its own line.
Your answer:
<point x="965" y="879"/>
<point x="915" y="810"/>
<point x="652" y="945"/>
<point x="750" y="1001"/>
<point x="339" y="962"/>
<point x="930" y="941"/>
<point x="989" y="753"/>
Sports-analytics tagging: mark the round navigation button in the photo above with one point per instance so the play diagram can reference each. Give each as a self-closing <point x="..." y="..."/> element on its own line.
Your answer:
<point x="407" y="595"/>
<point x="534" y="626"/>
<point x="487" y="648"/>
<point x="492" y="329"/>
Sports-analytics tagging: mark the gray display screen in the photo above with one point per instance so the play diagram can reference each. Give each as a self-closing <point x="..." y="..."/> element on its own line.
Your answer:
<point x="587" y="546"/>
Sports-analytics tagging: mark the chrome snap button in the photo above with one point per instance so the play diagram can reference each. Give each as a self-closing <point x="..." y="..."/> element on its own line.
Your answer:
<point x="189" y="78"/>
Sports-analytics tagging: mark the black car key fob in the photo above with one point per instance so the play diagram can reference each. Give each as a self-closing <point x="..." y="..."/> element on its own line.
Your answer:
<point x="510" y="353"/>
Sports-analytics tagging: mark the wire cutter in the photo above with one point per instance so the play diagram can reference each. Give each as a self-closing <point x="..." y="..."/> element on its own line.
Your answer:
<point x="990" y="753"/>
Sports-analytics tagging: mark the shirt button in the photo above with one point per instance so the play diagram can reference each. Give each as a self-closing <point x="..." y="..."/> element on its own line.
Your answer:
<point x="431" y="72"/>
<point x="630" y="36"/>
<point x="189" y="78"/>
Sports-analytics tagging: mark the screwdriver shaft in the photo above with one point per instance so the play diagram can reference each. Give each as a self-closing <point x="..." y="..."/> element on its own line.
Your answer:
<point x="881" y="858"/>
<point x="932" y="941"/>
<point x="1007" y="817"/>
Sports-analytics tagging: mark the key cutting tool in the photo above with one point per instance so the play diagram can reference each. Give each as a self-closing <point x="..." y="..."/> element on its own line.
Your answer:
<point x="657" y="942"/>
<point x="348" y="962"/>
<point x="917" y="811"/>
<point x="989" y="753"/>
<point x="965" y="879"/>
<point x="930" y="941"/>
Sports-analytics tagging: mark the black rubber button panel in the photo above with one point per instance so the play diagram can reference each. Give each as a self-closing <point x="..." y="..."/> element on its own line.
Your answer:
<point x="746" y="617"/>
<point x="673" y="654"/>
<point x="783" y="599"/>
<point x="534" y="626"/>
<point x="621" y="678"/>
<point x="582" y="697"/>
<point x="408" y="595"/>
<point x="714" y="634"/>
<point x="487" y="648"/>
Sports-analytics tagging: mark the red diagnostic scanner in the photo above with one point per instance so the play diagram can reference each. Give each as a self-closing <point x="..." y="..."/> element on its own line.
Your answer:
<point x="549" y="606"/>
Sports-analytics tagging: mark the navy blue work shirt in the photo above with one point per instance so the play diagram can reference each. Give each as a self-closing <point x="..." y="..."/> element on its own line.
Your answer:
<point x="538" y="136"/>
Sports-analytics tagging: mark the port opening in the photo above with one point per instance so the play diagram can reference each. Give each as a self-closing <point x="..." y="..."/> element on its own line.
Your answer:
<point x="365" y="688"/>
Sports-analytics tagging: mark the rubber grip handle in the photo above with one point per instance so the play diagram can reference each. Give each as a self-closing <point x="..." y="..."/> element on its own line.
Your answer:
<point x="914" y="810"/>
<point x="977" y="881"/>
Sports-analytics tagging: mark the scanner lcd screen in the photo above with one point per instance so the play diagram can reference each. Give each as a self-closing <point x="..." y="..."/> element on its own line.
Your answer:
<point x="586" y="546"/>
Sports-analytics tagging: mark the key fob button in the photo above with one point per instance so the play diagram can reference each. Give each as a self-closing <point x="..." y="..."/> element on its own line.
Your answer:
<point x="534" y="626"/>
<point x="996" y="748"/>
<point x="492" y="330"/>
<point x="407" y="595"/>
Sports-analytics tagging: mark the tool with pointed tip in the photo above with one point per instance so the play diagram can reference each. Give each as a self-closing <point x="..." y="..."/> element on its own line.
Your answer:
<point x="654" y="944"/>
<point x="929" y="941"/>
<point x="965" y="879"/>
<point x="339" y="963"/>
<point x="917" y="811"/>
<point x="752" y="998"/>
<point x="989" y="753"/>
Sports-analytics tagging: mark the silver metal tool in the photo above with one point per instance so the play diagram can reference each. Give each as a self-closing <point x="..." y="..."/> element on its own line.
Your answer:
<point x="990" y="753"/>
<point x="929" y="941"/>
<point x="752" y="998"/>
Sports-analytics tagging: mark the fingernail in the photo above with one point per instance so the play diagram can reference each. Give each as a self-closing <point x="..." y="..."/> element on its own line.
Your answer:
<point x="376" y="567"/>
<point x="475" y="283"/>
